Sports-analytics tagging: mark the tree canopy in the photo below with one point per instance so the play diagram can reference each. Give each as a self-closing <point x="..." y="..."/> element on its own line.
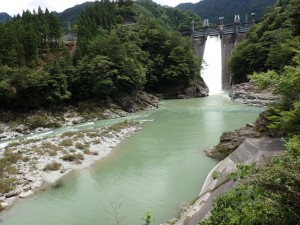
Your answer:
<point x="116" y="52"/>
<point x="270" y="44"/>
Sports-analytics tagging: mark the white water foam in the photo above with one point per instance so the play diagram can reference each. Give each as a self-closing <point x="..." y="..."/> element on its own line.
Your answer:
<point x="212" y="65"/>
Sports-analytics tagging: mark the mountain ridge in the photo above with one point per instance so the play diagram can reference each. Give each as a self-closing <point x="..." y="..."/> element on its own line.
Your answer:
<point x="213" y="9"/>
<point x="4" y="17"/>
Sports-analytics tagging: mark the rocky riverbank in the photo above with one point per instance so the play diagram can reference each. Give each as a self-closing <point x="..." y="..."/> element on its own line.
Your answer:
<point x="231" y="140"/>
<point x="247" y="94"/>
<point x="17" y="124"/>
<point x="28" y="164"/>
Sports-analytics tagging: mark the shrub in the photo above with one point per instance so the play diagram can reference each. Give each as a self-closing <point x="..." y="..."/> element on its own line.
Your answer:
<point x="12" y="157"/>
<point x="66" y="142"/>
<point x="6" y="185"/>
<point x="81" y="146"/>
<point x="36" y="121"/>
<point x="73" y="157"/>
<point x="13" y="144"/>
<point x="68" y="134"/>
<point x="52" y="166"/>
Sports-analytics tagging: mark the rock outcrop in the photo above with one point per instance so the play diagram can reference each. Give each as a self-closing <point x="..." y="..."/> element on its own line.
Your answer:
<point x="247" y="94"/>
<point x="197" y="89"/>
<point x="231" y="140"/>
<point x="137" y="101"/>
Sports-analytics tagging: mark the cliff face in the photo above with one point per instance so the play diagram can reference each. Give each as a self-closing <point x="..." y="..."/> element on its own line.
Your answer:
<point x="196" y="89"/>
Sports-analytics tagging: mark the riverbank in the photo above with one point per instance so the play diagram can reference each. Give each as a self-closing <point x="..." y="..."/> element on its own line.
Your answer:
<point x="243" y="146"/>
<point x="246" y="93"/>
<point x="30" y="164"/>
<point x="18" y="124"/>
<point x="252" y="150"/>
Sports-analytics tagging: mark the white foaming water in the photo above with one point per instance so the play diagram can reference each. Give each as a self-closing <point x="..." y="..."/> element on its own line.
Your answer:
<point x="212" y="65"/>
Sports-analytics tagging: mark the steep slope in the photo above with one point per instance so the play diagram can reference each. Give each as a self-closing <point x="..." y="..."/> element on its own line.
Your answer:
<point x="72" y="14"/>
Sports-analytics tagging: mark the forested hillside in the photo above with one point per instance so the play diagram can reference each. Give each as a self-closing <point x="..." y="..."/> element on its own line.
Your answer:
<point x="72" y="14"/>
<point x="270" y="194"/>
<point x="117" y="52"/>
<point x="213" y="9"/>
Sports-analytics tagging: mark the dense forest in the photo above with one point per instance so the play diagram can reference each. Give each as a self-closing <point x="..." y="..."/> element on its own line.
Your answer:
<point x="271" y="57"/>
<point x="213" y="9"/>
<point x="117" y="52"/>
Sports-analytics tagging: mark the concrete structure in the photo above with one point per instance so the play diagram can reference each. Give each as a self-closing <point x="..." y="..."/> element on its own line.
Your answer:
<point x="230" y="34"/>
<point x="250" y="151"/>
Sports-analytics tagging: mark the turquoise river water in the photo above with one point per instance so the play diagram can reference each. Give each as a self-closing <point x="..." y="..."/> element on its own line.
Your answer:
<point x="156" y="170"/>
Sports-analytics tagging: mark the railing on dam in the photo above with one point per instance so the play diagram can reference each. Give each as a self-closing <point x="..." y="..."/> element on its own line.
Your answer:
<point x="221" y="29"/>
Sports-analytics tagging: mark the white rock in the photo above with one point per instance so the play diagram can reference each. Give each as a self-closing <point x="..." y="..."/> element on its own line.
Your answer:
<point x="37" y="184"/>
<point x="70" y="123"/>
<point x="27" y="187"/>
<point x="13" y="193"/>
<point x="10" y="201"/>
<point x="30" y="177"/>
<point x="25" y="194"/>
<point x="4" y="204"/>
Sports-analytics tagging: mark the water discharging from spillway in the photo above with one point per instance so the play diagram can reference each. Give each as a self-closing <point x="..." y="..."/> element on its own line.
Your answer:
<point x="212" y="65"/>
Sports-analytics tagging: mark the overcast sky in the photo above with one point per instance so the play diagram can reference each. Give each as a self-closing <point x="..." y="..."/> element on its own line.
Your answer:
<point x="14" y="7"/>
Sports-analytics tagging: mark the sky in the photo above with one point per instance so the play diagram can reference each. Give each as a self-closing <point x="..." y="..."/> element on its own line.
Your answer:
<point x="13" y="7"/>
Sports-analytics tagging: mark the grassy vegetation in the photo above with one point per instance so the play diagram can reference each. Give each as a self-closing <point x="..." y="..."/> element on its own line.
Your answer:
<point x="70" y="145"/>
<point x="37" y="120"/>
<point x="7" y="184"/>
<point x="66" y="142"/>
<point x="13" y="144"/>
<point x="119" y="126"/>
<point x="69" y="134"/>
<point x="7" y="168"/>
<point x="52" y="166"/>
<point x="91" y="110"/>
<point x="73" y="157"/>
<point x="82" y="146"/>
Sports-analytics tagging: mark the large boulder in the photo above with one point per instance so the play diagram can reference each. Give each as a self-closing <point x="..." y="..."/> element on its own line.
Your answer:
<point x="197" y="89"/>
<point x="230" y="140"/>
<point x="136" y="101"/>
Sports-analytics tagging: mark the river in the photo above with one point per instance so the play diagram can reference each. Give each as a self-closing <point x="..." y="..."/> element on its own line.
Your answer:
<point x="155" y="170"/>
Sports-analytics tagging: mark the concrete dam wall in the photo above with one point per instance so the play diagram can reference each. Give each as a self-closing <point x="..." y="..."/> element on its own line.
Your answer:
<point x="231" y="35"/>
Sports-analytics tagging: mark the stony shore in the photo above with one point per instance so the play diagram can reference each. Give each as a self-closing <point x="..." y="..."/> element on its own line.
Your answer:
<point x="47" y="160"/>
<point x="247" y="94"/>
<point x="18" y="124"/>
<point x="28" y="164"/>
